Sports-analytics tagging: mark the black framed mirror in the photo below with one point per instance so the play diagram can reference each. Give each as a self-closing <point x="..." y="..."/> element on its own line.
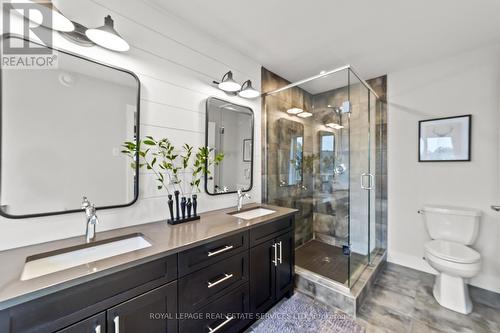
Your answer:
<point x="61" y="134"/>
<point x="229" y="129"/>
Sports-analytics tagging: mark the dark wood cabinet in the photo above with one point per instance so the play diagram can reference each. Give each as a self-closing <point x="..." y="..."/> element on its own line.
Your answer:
<point x="69" y="306"/>
<point x="269" y="230"/>
<point x="152" y="312"/>
<point x="210" y="253"/>
<point x="94" y="324"/>
<point x="271" y="271"/>
<point x="285" y="266"/>
<point x="228" y="314"/>
<point x="205" y="285"/>
<point x="225" y="282"/>
<point x="262" y="276"/>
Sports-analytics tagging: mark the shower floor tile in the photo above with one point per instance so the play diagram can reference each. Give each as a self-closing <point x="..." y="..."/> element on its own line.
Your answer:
<point x="327" y="260"/>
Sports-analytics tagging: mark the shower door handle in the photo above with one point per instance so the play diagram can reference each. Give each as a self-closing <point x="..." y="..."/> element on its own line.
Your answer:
<point x="370" y="177"/>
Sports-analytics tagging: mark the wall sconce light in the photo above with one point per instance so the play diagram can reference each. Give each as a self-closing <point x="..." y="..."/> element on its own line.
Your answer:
<point x="39" y="9"/>
<point x="247" y="91"/>
<point x="228" y="84"/>
<point x="107" y="37"/>
<point x="231" y="87"/>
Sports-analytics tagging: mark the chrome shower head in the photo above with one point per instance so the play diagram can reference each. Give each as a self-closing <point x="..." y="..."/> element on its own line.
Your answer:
<point x="334" y="108"/>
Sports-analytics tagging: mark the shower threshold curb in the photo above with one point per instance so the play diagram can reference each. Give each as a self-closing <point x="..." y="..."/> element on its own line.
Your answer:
<point x="335" y="294"/>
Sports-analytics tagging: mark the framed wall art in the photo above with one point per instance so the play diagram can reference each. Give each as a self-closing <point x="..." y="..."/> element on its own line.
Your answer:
<point x="445" y="139"/>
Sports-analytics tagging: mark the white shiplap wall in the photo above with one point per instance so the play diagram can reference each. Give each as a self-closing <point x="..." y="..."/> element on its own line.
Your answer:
<point x="176" y="64"/>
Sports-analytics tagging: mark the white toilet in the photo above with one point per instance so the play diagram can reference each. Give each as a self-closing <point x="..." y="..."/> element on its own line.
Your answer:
<point x="451" y="230"/>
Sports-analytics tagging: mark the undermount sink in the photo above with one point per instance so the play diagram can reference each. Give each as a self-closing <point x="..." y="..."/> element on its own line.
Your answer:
<point x="252" y="213"/>
<point x="58" y="260"/>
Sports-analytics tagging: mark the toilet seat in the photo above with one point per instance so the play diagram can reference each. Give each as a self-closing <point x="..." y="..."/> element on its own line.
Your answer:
<point x="451" y="251"/>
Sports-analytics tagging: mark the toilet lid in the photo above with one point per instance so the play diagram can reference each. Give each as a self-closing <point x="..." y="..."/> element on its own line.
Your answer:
<point x="452" y="251"/>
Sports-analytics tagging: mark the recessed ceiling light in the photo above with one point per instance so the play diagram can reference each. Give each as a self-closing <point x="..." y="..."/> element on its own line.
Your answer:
<point x="247" y="91"/>
<point x="294" y="111"/>
<point x="334" y="126"/>
<point x="228" y="84"/>
<point x="322" y="72"/>
<point x="107" y="37"/>
<point x="304" y="114"/>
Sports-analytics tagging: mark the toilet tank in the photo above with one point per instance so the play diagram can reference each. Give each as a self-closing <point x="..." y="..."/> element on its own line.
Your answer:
<point x="454" y="224"/>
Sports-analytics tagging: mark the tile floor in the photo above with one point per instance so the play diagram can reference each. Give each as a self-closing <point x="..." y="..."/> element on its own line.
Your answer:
<point x="327" y="260"/>
<point x="402" y="301"/>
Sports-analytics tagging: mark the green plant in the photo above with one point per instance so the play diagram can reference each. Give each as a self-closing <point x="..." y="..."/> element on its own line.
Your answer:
<point x="161" y="158"/>
<point x="146" y="157"/>
<point x="202" y="164"/>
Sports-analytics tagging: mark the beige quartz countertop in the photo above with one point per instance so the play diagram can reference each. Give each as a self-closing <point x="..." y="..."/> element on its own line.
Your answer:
<point x="165" y="239"/>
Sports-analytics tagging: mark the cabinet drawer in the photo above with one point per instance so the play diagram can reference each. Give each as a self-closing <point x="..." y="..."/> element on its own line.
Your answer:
<point x="269" y="230"/>
<point x="228" y="314"/>
<point x="203" y="286"/>
<point x="207" y="254"/>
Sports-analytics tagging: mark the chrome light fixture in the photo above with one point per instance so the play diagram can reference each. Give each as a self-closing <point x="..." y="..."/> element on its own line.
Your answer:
<point x="228" y="84"/>
<point x="247" y="91"/>
<point x="294" y="111"/>
<point x="304" y="114"/>
<point x="43" y="9"/>
<point x="107" y="37"/>
<point x="233" y="88"/>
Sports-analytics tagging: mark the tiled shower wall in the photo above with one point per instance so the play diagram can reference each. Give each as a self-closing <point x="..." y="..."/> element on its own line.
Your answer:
<point x="320" y="218"/>
<point x="273" y="193"/>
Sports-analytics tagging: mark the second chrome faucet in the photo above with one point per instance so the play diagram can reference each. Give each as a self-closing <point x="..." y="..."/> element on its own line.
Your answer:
<point x="241" y="195"/>
<point x="91" y="220"/>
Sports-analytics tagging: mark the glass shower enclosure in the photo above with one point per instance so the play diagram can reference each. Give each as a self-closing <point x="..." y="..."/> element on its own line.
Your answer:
<point x="320" y="158"/>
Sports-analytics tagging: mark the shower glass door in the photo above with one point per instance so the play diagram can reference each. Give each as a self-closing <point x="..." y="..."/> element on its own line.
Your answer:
<point x="361" y="180"/>
<point x="318" y="160"/>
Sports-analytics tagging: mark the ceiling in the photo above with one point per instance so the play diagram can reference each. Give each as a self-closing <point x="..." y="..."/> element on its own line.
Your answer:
<point x="298" y="39"/>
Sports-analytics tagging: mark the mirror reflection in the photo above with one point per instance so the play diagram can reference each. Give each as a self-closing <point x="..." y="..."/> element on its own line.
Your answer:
<point x="64" y="141"/>
<point x="326" y="159"/>
<point x="290" y="152"/>
<point x="229" y="130"/>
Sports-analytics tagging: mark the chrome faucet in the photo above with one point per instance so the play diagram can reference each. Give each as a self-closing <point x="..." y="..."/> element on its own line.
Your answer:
<point x="92" y="220"/>
<point x="242" y="195"/>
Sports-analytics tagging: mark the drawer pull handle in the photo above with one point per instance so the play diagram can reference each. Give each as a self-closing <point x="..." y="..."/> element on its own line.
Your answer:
<point x="116" y="321"/>
<point x="226" y="277"/>
<point x="280" y="259"/>
<point x="224" y="323"/>
<point x="275" y="261"/>
<point x="224" y="249"/>
<point x="97" y="329"/>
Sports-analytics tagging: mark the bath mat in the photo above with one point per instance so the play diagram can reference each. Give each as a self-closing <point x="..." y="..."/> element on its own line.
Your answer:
<point x="301" y="314"/>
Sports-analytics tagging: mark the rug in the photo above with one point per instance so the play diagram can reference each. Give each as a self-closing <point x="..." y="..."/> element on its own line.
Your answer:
<point x="301" y="314"/>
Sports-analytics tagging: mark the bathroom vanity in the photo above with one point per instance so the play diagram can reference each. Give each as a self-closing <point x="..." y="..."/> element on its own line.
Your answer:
<point x="213" y="275"/>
